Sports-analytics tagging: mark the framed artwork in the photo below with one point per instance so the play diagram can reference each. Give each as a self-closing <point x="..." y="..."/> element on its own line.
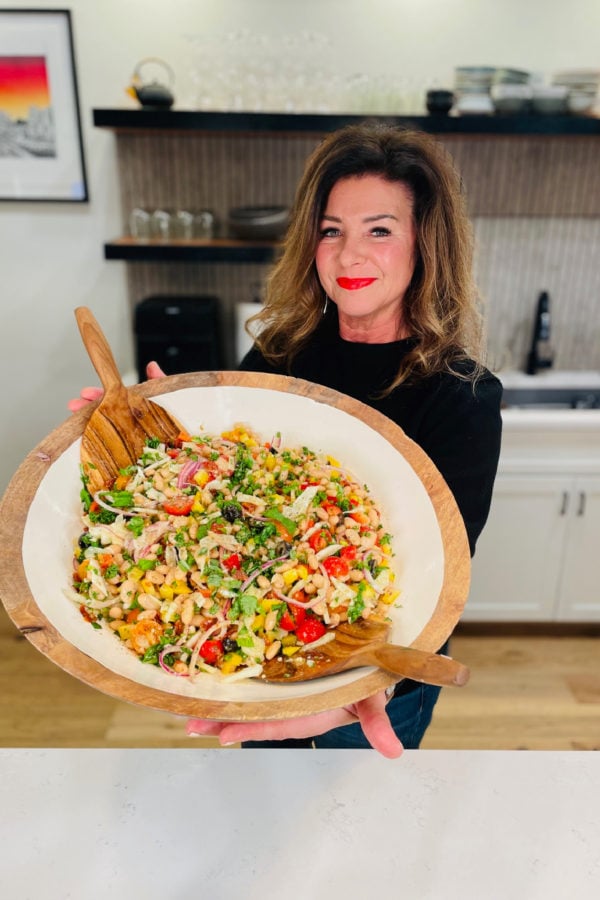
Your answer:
<point x="41" y="150"/>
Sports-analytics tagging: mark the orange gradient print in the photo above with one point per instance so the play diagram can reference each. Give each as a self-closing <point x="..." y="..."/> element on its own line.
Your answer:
<point x="23" y="84"/>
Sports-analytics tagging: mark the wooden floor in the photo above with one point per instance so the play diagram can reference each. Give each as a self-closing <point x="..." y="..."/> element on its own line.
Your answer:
<point x="531" y="692"/>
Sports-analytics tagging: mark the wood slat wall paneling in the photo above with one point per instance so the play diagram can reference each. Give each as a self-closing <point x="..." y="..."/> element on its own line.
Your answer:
<point x="534" y="200"/>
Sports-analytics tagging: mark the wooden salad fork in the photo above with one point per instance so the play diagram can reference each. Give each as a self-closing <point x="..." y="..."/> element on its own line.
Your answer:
<point x="116" y="432"/>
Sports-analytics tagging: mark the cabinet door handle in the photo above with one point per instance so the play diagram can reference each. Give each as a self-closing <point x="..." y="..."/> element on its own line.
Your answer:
<point x="564" y="504"/>
<point x="581" y="504"/>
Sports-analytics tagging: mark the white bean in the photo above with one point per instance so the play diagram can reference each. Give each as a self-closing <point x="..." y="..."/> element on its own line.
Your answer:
<point x="147" y="601"/>
<point x="273" y="649"/>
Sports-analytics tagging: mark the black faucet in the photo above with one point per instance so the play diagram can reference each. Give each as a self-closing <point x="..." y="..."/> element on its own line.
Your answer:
<point x="540" y="355"/>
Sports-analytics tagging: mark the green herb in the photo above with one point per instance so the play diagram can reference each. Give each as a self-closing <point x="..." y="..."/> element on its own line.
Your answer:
<point x="289" y="525"/>
<point x="356" y="606"/>
<point x="243" y="463"/>
<point x="243" y="605"/>
<point x="102" y="517"/>
<point x="111" y="571"/>
<point x="245" y="637"/>
<point x="136" y="525"/>
<point x="146" y="564"/>
<point x="152" y="442"/>
<point x="120" y="499"/>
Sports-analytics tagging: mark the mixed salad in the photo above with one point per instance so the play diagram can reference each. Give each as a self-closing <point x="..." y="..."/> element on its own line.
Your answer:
<point x="220" y="552"/>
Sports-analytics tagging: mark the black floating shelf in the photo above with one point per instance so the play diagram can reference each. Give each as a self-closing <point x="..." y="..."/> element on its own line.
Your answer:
<point x="191" y="120"/>
<point x="210" y="251"/>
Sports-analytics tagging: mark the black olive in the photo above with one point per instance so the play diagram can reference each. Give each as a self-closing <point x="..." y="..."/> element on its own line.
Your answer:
<point x="229" y="645"/>
<point x="231" y="511"/>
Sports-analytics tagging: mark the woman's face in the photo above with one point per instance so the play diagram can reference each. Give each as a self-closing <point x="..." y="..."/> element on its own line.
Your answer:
<point x="366" y="256"/>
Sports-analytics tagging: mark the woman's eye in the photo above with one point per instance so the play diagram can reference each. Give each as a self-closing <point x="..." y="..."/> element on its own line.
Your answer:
<point x="380" y="231"/>
<point x="329" y="232"/>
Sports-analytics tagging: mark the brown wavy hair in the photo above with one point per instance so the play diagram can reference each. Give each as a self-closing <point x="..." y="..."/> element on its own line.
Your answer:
<point x="440" y="306"/>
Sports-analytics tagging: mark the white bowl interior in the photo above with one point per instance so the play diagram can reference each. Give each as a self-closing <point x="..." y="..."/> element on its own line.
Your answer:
<point x="53" y="525"/>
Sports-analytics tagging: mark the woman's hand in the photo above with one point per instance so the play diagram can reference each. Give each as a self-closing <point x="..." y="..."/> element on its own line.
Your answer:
<point x="90" y="394"/>
<point x="370" y="713"/>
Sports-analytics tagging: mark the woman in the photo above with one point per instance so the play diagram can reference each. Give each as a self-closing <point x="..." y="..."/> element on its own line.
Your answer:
<point x="373" y="296"/>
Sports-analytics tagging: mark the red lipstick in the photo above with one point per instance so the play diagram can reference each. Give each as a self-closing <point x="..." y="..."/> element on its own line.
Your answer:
<point x="354" y="284"/>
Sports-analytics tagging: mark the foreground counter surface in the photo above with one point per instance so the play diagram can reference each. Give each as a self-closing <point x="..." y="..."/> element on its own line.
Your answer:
<point x="308" y="824"/>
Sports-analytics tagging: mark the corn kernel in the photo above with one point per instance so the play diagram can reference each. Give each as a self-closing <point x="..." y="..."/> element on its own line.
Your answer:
<point x="148" y="587"/>
<point x="135" y="573"/>
<point x="290" y="576"/>
<point x="389" y="597"/>
<point x="166" y="591"/>
<point x="289" y="651"/>
<point x="367" y="593"/>
<point x="180" y="587"/>
<point x="124" y="631"/>
<point x="302" y="571"/>
<point x="230" y="663"/>
<point x="258" y="622"/>
<point x="332" y="460"/>
<point x="269" y="463"/>
<point x="201" y="477"/>
<point x="267" y="604"/>
<point x="197" y="506"/>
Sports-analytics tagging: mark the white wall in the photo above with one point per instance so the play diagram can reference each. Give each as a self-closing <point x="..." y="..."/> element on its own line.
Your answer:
<point x="51" y="254"/>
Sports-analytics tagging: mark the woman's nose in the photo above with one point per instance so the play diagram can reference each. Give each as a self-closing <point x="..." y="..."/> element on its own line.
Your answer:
<point x="351" y="251"/>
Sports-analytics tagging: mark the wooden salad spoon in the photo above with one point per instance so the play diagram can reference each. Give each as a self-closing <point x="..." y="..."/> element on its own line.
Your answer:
<point x="116" y="432"/>
<point x="364" y="643"/>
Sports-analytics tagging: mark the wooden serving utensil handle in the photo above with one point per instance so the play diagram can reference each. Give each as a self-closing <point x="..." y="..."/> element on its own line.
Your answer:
<point x="419" y="665"/>
<point x="99" y="350"/>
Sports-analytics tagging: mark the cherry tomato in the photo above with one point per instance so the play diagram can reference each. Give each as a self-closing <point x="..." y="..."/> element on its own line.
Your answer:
<point x="211" y="651"/>
<point x="232" y="562"/>
<point x="310" y="630"/>
<point x="320" y="539"/>
<point x="336" y="567"/>
<point x="180" y="505"/>
<point x="293" y="617"/>
<point x="348" y="553"/>
<point x="86" y="615"/>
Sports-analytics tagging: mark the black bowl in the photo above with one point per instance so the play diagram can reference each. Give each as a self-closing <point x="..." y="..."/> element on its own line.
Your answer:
<point x="439" y="101"/>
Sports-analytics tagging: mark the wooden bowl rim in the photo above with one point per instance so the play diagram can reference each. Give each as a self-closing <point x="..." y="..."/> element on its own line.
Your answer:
<point x="22" y="608"/>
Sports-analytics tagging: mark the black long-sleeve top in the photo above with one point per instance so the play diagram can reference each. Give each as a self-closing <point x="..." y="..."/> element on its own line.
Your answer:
<point x="457" y="424"/>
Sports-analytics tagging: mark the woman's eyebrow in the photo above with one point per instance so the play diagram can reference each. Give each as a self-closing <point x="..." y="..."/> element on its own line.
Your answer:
<point x="374" y="218"/>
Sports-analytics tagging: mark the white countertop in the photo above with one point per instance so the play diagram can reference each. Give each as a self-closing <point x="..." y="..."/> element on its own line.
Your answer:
<point x="550" y="378"/>
<point x="262" y="824"/>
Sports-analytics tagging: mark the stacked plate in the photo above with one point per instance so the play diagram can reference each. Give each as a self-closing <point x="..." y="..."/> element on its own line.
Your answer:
<point x="582" y="86"/>
<point x="472" y="89"/>
<point x="484" y="89"/>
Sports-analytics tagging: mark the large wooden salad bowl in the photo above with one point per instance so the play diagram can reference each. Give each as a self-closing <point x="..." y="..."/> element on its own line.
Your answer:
<point x="39" y="516"/>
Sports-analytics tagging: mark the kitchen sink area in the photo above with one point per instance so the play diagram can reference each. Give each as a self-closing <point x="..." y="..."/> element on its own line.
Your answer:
<point x="549" y="390"/>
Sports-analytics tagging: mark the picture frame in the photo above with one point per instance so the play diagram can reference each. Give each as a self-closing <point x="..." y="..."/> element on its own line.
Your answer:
<point x="41" y="147"/>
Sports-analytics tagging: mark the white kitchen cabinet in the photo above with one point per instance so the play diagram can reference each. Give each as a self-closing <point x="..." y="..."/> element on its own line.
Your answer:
<point x="538" y="558"/>
<point x="579" y="586"/>
<point x="518" y="561"/>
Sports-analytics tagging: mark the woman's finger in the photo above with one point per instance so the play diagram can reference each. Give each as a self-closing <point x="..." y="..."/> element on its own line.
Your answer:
<point x="86" y="395"/>
<point x="153" y="370"/>
<point x="377" y="727"/>
<point x="280" y="730"/>
<point x="203" y="727"/>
